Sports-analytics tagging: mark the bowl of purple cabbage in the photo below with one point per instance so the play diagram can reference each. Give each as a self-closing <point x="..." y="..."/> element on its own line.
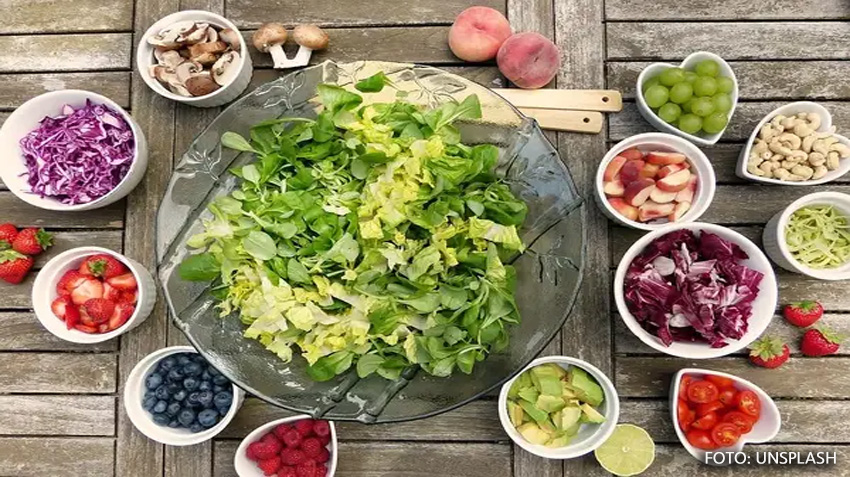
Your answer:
<point x="695" y="290"/>
<point x="71" y="150"/>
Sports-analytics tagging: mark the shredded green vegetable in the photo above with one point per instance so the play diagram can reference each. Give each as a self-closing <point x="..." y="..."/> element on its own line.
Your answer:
<point x="819" y="237"/>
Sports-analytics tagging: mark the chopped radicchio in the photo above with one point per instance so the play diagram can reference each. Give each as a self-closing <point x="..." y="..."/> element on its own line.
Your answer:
<point x="80" y="155"/>
<point x="688" y="288"/>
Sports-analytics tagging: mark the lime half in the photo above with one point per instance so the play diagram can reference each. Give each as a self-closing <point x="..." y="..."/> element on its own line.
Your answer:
<point x="629" y="451"/>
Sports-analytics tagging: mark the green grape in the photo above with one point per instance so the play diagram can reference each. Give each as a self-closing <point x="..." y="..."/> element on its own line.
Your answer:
<point x="650" y="83"/>
<point x="725" y="84"/>
<point x="702" y="107"/>
<point x="722" y="103"/>
<point x="670" y="112"/>
<point x="681" y="93"/>
<point x="690" y="77"/>
<point x="686" y="106"/>
<point x="690" y="123"/>
<point x="656" y="96"/>
<point x="714" y="123"/>
<point x="705" y="86"/>
<point x="671" y="76"/>
<point x="707" y="68"/>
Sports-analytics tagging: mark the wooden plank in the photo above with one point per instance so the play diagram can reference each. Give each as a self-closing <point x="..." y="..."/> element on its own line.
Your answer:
<point x="476" y="421"/>
<point x="46" y="16"/>
<point x="650" y="377"/>
<point x="58" y="415"/>
<point x="15" y="89"/>
<point x="656" y="10"/>
<point x="735" y="204"/>
<point x="40" y="456"/>
<point x="17" y="297"/>
<point x="21" y="331"/>
<point x="252" y="13"/>
<point x="70" y="373"/>
<point x="64" y="241"/>
<point x="76" y="52"/>
<point x="666" y="40"/>
<point x="22" y="214"/>
<point x="761" y="80"/>
<point x="675" y="461"/>
<point x="410" y="459"/>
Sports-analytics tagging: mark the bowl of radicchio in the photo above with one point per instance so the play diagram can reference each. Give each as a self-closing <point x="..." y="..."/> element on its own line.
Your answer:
<point x="71" y="150"/>
<point x="695" y="290"/>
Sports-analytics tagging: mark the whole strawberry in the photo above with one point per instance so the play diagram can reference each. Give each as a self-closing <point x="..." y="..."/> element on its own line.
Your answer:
<point x="769" y="352"/>
<point x="32" y="241"/>
<point x="102" y="265"/>
<point x="8" y="232"/>
<point x="820" y="342"/>
<point x="804" y="313"/>
<point x="14" y="266"/>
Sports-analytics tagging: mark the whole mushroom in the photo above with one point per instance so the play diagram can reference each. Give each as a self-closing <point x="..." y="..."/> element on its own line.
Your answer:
<point x="269" y="38"/>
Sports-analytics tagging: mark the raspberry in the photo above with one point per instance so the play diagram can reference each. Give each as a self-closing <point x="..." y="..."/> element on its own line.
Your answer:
<point x="251" y="451"/>
<point x="293" y="456"/>
<point x="264" y="450"/>
<point x="287" y="471"/>
<point x="322" y="428"/>
<point x="305" y="427"/>
<point x="270" y="466"/>
<point x="292" y="438"/>
<point x="321" y="470"/>
<point x="307" y="469"/>
<point x="281" y="430"/>
<point x="271" y="440"/>
<point x="323" y="456"/>
<point x="325" y="440"/>
<point x="311" y="446"/>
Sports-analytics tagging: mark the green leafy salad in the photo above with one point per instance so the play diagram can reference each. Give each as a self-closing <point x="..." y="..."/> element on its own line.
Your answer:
<point x="368" y="237"/>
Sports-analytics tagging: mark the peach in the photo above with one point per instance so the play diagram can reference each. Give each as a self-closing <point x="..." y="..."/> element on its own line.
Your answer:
<point x="675" y="181"/>
<point x="638" y="191"/>
<point x="687" y="194"/>
<point x="652" y="210"/>
<point x="631" y="171"/>
<point x="665" y="158"/>
<point x="650" y="170"/>
<point x="667" y="170"/>
<point x="678" y="211"/>
<point x="661" y="196"/>
<point x="632" y="153"/>
<point x="623" y="208"/>
<point x="613" y="168"/>
<point x="477" y="34"/>
<point x="529" y="60"/>
<point x="614" y="188"/>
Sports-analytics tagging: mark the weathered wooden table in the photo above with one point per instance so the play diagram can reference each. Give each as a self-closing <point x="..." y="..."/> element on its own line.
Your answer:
<point x="60" y="411"/>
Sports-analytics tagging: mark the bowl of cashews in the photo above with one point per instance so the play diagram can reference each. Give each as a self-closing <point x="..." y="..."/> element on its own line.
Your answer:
<point x="795" y="144"/>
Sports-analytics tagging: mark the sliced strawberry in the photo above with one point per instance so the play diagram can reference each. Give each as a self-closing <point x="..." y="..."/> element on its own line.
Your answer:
<point x="126" y="282"/>
<point x="100" y="309"/>
<point x="60" y="306"/>
<point x="70" y="280"/>
<point x="85" y="319"/>
<point x="90" y="288"/>
<point x="129" y="297"/>
<point x="111" y="293"/>
<point x="72" y="316"/>
<point x="86" y="329"/>
<point x="122" y="313"/>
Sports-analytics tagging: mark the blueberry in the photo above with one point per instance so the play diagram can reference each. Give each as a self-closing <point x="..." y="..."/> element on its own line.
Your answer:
<point x="220" y="380"/>
<point x="183" y="359"/>
<point x="186" y="417"/>
<point x="223" y="399"/>
<point x="217" y="389"/>
<point x="167" y="363"/>
<point x="162" y="392"/>
<point x="205" y="398"/>
<point x="149" y="394"/>
<point x="196" y="427"/>
<point x="223" y="411"/>
<point x="199" y="359"/>
<point x="153" y="381"/>
<point x="190" y="384"/>
<point x="193" y="369"/>
<point x="206" y="376"/>
<point x="208" y="418"/>
<point x="174" y="423"/>
<point x="161" y="419"/>
<point x="149" y="403"/>
<point x="213" y="372"/>
<point x="176" y="375"/>
<point x="180" y="395"/>
<point x="173" y="409"/>
<point x="173" y="387"/>
<point x="192" y="399"/>
<point x="160" y="407"/>
<point x="205" y="386"/>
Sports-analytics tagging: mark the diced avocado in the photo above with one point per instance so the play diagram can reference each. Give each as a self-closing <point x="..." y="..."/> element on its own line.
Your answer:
<point x="567" y="391"/>
<point x="523" y="381"/>
<point x="585" y="386"/>
<point x="548" y="426"/>
<point x="529" y="394"/>
<point x="569" y="416"/>
<point x="591" y="415"/>
<point x="561" y="372"/>
<point x="533" y="412"/>
<point x="572" y="430"/>
<point x="547" y="380"/>
<point x="559" y="441"/>
<point x="550" y="403"/>
<point x="516" y="413"/>
<point x="532" y="433"/>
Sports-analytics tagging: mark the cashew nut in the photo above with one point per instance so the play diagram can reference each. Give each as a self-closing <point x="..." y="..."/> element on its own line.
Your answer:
<point x="789" y="123"/>
<point x="820" y="171"/>
<point x="775" y="158"/>
<point x="768" y="131"/>
<point x="816" y="159"/>
<point x="767" y="167"/>
<point x="777" y="122"/>
<point x="788" y="164"/>
<point x="832" y="160"/>
<point x="753" y="169"/>
<point x="808" y="141"/>
<point x="778" y="148"/>
<point x="760" y="147"/>
<point x="841" y="149"/>
<point x="781" y="174"/>
<point x="805" y="172"/>
<point x="814" y="120"/>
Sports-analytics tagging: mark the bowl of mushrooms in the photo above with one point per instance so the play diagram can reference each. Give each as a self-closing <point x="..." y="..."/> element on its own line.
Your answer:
<point x="195" y="57"/>
<point x="795" y="144"/>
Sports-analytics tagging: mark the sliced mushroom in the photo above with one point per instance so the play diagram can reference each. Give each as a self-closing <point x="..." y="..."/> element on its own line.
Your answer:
<point x="197" y="35"/>
<point x="171" y="59"/>
<point x="226" y="68"/>
<point x="163" y="44"/>
<point x="187" y="69"/>
<point x="212" y="47"/>
<point x="201" y="84"/>
<point x="179" y="29"/>
<point x="212" y="35"/>
<point x="269" y="38"/>
<point x="179" y="89"/>
<point x="232" y="38"/>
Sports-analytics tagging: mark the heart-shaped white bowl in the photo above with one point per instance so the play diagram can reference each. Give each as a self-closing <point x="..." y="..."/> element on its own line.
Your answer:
<point x="764" y="430"/>
<point x="790" y="110"/>
<point x="688" y="64"/>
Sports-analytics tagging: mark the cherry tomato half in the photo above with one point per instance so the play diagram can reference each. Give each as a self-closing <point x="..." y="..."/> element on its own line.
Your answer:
<point x="706" y="422"/>
<point x="720" y="381"/>
<point x="683" y="387"/>
<point x="727" y="397"/>
<point x="703" y="409"/>
<point x="700" y="439"/>
<point x="748" y="403"/>
<point x="725" y="434"/>
<point x="744" y="422"/>
<point x="701" y="392"/>
<point x="685" y="414"/>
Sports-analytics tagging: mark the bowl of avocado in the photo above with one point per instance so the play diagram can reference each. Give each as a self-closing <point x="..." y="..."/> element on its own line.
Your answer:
<point x="559" y="407"/>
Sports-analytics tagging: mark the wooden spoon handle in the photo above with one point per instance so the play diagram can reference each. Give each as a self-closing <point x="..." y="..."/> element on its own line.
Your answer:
<point x="565" y="120"/>
<point x="574" y="99"/>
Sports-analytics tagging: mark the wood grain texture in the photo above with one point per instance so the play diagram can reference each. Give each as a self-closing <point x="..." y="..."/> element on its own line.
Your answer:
<point x="47" y="16"/>
<point x="252" y="13"/>
<point x="64" y="241"/>
<point x="650" y="377"/>
<point x="674" y="461"/>
<point x="58" y="415"/>
<point x="21" y="331"/>
<point x="15" y="89"/>
<point x="75" y="52"/>
<point x="656" y="10"/>
<point x="71" y="373"/>
<point x="78" y="456"/>
<point x="667" y="40"/>
<point x="22" y="214"/>
<point x="735" y="204"/>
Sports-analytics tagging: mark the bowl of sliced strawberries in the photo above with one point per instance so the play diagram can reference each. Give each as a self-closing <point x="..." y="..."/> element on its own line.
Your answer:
<point x="651" y="180"/>
<point x="92" y="294"/>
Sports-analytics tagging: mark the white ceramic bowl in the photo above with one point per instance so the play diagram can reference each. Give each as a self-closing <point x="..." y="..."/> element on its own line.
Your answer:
<point x="763" y="306"/>
<point x="688" y="64"/>
<point x="26" y="118"/>
<point x="763" y="431"/>
<point x="225" y="94"/>
<point x="790" y="110"/>
<point x="660" y="142"/>
<point x="134" y="392"/>
<point x="590" y="436"/>
<point x="245" y="467"/>
<point x="44" y="292"/>
<point x="774" y="235"/>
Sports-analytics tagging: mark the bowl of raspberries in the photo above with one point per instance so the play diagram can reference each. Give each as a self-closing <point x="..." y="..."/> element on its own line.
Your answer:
<point x="174" y="396"/>
<point x="296" y="446"/>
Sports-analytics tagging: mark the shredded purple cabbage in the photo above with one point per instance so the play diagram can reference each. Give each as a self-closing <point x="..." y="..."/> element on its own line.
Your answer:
<point x="79" y="156"/>
<point x="688" y="288"/>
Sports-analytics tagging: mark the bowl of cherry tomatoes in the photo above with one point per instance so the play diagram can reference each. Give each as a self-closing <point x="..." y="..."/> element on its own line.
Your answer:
<point x="719" y="412"/>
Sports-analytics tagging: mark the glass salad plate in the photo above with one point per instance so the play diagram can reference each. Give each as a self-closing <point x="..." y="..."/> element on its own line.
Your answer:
<point x="548" y="273"/>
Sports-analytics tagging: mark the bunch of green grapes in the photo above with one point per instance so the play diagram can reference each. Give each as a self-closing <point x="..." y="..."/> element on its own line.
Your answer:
<point x="693" y="101"/>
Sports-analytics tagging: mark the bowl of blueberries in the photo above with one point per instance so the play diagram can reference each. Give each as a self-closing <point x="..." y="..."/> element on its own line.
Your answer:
<point x="175" y="397"/>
